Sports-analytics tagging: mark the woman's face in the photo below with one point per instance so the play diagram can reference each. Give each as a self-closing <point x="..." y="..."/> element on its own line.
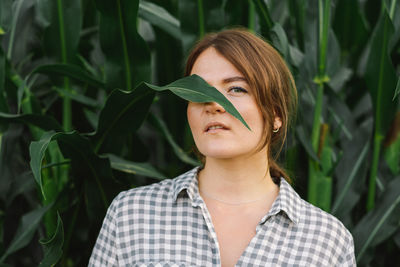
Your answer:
<point x="217" y="133"/>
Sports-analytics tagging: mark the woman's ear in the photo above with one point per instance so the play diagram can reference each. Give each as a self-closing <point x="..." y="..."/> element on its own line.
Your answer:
<point x="277" y="123"/>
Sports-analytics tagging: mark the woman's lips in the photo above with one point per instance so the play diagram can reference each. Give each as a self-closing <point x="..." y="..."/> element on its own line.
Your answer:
<point x="215" y="127"/>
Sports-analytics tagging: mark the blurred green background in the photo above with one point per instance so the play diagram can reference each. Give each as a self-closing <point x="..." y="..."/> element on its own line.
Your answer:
<point x="74" y="131"/>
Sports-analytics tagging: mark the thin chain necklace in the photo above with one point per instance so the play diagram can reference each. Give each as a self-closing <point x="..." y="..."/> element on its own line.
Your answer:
<point x="231" y="203"/>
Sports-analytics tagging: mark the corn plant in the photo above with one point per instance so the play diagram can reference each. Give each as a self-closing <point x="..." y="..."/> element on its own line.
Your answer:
<point x="92" y="103"/>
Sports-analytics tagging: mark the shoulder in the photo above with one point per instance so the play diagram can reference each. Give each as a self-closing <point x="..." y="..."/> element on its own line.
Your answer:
<point x="327" y="234"/>
<point x="316" y="226"/>
<point x="319" y="233"/>
<point x="155" y="194"/>
<point x="325" y="223"/>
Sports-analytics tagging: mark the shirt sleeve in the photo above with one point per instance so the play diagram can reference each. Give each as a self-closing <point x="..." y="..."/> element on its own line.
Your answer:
<point x="105" y="250"/>
<point x="349" y="259"/>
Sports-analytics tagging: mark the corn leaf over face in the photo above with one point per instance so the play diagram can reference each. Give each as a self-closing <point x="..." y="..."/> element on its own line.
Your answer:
<point x="116" y="117"/>
<point x="193" y="88"/>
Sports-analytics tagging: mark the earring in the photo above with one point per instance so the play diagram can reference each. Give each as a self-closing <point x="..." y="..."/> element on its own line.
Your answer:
<point x="275" y="130"/>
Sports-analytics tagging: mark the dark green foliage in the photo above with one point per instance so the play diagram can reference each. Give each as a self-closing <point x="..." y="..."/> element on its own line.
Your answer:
<point x="91" y="104"/>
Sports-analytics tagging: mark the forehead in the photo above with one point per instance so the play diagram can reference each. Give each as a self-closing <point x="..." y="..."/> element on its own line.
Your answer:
<point x="210" y="64"/>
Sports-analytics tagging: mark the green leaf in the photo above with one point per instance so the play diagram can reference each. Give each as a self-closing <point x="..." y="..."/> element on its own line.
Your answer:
<point x="62" y="22"/>
<point x="326" y="159"/>
<point x="160" y="17"/>
<point x="298" y="13"/>
<point x="191" y="17"/>
<point x="21" y="184"/>
<point x="26" y="229"/>
<point x="44" y="122"/>
<point x="8" y="156"/>
<point x="397" y="91"/>
<point x="351" y="28"/>
<point x="137" y="168"/>
<point x="392" y="147"/>
<point x="116" y="116"/>
<point x="87" y="165"/>
<point x="84" y="161"/>
<point x="5" y="15"/>
<point x="380" y="75"/>
<point x="123" y="113"/>
<point x="17" y="10"/>
<point x="160" y="125"/>
<point x="3" y="101"/>
<point x="279" y="40"/>
<point x="198" y="17"/>
<point x="193" y="88"/>
<point x="71" y="71"/>
<point x="380" y="222"/>
<point x="53" y="246"/>
<point x="339" y="79"/>
<point x="304" y="140"/>
<point x="339" y="201"/>
<point x="324" y="185"/>
<point x="266" y="22"/>
<point x="80" y="98"/>
<point x="127" y="56"/>
<point x="37" y="151"/>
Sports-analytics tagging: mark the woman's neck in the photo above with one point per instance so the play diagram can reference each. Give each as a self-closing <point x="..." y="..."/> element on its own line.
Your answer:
<point x="237" y="180"/>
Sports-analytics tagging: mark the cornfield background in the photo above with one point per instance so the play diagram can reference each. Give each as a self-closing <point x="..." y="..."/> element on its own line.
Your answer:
<point x="74" y="131"/>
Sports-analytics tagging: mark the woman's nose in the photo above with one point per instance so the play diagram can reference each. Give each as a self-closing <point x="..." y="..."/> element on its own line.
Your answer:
<point x="214" y="107"/>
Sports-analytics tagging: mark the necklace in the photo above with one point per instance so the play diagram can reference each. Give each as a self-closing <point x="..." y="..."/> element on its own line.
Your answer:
<point x="231" y="203"/>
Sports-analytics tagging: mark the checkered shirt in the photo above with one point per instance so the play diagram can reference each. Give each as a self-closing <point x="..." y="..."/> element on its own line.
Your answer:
<point x="168" y="224"/>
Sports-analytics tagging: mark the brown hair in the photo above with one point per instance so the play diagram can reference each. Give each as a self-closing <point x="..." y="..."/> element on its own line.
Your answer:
<point x="264" y="70"/>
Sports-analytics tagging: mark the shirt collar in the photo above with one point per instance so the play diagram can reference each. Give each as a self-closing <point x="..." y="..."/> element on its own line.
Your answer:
<point x="187" y="183"/>
<point x="287" y="201"/>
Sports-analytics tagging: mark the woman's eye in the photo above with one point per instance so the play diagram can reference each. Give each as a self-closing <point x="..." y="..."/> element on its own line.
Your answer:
<point x="237" y="89"/>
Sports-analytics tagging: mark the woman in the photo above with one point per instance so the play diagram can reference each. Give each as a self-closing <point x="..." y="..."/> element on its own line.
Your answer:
<point x="238" y="208"/>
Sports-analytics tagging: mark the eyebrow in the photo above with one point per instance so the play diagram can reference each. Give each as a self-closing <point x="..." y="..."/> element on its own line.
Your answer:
<point x="234" y="79"/>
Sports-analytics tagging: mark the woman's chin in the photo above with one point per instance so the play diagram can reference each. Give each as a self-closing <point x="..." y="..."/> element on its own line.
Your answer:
<point x="222" y="154"/>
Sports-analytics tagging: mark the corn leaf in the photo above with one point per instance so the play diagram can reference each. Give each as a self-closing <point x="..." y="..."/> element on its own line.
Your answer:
<point x="380" y="222"/>
<point x="53" y="246"/>
<point x="193" y="88"/>
<point x="162" y="127"/>
<point x="71" y="71"/>
<point x="44" y="122"/>
<point x="123" y="113"/>
<point x="380" y="75"/>
<point x="25" y="231"/>
<point x="137" y="168"/>
<point x="127" y="56"/>
<point x="83" y="159"/>
<point x="62" y="21"/>
<point x="160" y="17"/>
